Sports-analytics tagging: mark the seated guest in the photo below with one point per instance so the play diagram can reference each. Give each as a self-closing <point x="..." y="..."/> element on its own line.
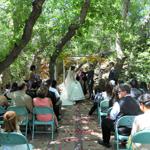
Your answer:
<point x="20" y="98"/>
<point x="142" y="121"/>
<point x="97" y="99"/>
<point x="43" y="101"/>
<point x="125" y="106"/>
<point x="3" y="101"/>
<point x="7" y="88"/>
<point x="114" y="97"/>
<point x="32" y="91"/>
<point x="143" y="87"/>
<point x="53" y="88"/>
<point x="55" y="97"/>
<point x="135" y="92"/>
<point x="11" y="125"/>
<point x="14" y="87"/>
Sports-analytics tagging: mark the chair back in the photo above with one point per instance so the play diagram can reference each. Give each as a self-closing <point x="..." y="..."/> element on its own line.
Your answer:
<point x="42" y="110"/>
<point x="126" y="121"/>
<point x="102" y="110"/>
<point x="2" y="110"/>
<point x="142" y="137"/>
<point x="12" y="138"/>
<point x="20" y="110"/>
<point x="104" y="105"/>
<point x="22" y="115"/>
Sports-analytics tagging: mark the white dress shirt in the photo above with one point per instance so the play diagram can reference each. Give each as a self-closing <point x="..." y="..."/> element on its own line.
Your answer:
<point x="115" y="111"/>
<point x="55" y="91"/>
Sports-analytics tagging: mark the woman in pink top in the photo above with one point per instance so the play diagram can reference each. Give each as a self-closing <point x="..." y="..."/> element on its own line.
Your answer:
<point x="42" y="101"/>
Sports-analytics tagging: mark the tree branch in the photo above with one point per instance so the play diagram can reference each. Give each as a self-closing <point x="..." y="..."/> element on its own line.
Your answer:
<point x="72" y="29"/>
<point x="26" y="36"/>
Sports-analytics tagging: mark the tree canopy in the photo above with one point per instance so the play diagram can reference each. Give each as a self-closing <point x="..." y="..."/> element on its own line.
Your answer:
<point x="97" y="33"/>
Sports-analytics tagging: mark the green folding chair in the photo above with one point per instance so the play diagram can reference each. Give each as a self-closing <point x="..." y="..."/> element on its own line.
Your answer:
<point x="2" y="111"/>
<point x="141" y="137"/>
<point x="35" y="122"/>
<point x="125" y="121"/>
<point x="102" y="110"/>
<point x="14" y="140"/>
<point x="22" y="112"/>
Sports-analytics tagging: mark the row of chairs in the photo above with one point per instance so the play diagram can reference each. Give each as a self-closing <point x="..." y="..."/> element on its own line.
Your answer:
<point x="125" y="121"/>
<point x="22" y="111"/>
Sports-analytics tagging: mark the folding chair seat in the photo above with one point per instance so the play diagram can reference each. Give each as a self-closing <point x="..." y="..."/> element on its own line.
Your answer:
<point x="22" y="113"/>
<point x="14" y="140"/>
<point x="35" y="122"/>
<point x="141" y="137"/>
<point x="125" y="122"/>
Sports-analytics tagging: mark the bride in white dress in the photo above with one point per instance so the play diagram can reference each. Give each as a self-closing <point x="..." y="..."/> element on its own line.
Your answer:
<point x="71" y="89"/>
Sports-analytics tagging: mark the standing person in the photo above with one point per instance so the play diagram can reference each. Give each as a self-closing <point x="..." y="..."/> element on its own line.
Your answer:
<point x="112" y="74"/>
<point x="84" y="80"/>
<point x="90" y="81"/>
<point x="11" y="125"/>
<point x="71" y="89"/>
<point x="142" y="121"/>
<point x="34" y="77"/>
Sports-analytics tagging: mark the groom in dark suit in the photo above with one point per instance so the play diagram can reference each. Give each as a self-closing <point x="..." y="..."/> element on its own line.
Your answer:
<point x="90" y="80"/>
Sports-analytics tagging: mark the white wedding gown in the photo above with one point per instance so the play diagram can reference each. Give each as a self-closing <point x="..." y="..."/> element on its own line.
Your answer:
<point x="71" y="90"/>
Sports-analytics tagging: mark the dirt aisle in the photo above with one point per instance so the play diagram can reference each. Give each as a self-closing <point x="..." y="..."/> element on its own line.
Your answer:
<point x="77" y="131"/>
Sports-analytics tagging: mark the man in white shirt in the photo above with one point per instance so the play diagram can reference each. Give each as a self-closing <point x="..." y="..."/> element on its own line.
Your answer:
<point x="125" y="106"/>
<point x="55" y="97"/>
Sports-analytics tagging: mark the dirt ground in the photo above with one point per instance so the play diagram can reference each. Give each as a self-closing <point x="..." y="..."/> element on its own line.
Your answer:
<point x="77" y="131"/>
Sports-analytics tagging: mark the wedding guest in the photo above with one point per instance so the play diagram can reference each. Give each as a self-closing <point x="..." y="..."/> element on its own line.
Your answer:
<point x="43" y="101"/>
<point x="142" y="122"/>
<point x="11" y="125"/>
<point x="125" y="106"/>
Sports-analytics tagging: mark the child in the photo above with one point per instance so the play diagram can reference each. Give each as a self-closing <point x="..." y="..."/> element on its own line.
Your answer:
<point x="97" y="99"/>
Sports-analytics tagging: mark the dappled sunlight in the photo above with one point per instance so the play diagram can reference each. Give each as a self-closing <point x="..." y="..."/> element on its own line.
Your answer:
<point x="55" y="142"/>
<point x="85" y="127"/>
<point x="76" y="127"/>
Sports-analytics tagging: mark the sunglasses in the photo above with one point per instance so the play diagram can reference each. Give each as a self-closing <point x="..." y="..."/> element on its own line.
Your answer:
<point x="141" y="102"/>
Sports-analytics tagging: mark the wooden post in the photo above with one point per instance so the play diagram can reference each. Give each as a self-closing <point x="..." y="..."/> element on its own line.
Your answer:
<point x="64" y="71"/>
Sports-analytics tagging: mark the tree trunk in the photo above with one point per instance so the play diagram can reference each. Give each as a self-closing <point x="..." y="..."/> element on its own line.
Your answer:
<point x="120" y="54"/>
<point x="118" y="66"/>
<point x="67" y="37"/>
<point x="120" y="57"/>
<point x="6" y="77"/>
<point x="26" y="36"/>
<point x="125" y="10"/>
<point x="52" y="65"/>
